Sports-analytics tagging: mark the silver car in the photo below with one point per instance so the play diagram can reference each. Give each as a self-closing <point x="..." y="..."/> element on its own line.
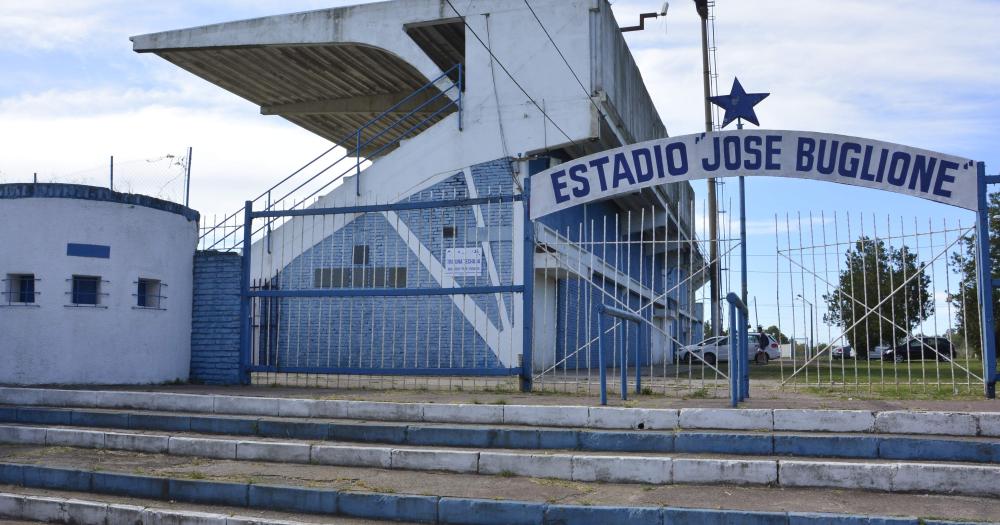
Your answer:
<point x="716" y="350"/>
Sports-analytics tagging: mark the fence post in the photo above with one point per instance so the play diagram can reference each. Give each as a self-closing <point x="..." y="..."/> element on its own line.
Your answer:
<point x="245" y="295"/>
<point x="745" y="353"/>
<point x="624" y="359"/>
<point x="733" y="366"/>
<point x="527" y="298"/>
<point x="601" y="365"/>
<point x="643" y="330"/>
<point x="985" y="286"/>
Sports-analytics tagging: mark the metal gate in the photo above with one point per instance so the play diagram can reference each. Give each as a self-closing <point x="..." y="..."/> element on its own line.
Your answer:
<point x="645" y="261"/>
<point x="411" y="294"/>
<point x="876" y="305"/>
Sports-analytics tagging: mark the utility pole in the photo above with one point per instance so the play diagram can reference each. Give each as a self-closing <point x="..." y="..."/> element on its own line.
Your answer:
<point x="713" y="212"/>
<point x="187" y="179"/>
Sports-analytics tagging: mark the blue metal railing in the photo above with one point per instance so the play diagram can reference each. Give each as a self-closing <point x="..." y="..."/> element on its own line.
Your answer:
<point x="232" y="237"/>
<point x="739" y="359"/>
<point x="624" y="315"/>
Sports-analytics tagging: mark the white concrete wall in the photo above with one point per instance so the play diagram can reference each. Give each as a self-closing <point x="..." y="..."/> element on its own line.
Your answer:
<point x="53" y="343"/>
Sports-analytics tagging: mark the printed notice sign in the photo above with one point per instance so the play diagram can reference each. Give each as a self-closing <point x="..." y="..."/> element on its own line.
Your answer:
<point x="463" y="262"/>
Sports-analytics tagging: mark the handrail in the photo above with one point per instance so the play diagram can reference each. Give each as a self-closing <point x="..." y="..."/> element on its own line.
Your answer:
<point x="739" y="361"/>
<point x="358" y="149"/>
<point x="624" y="315"/>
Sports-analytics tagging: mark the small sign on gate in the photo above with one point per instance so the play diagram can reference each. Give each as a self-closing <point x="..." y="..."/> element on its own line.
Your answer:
<point x="463" y="262"/>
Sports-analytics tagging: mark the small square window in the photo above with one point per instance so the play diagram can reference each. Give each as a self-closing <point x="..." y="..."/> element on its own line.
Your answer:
<point x="361" y="254"/>
<point x="86" y="290"/>
<point x="448" y="232"/>
<point x="148" y="293"/>
<point x="21" y="288"/>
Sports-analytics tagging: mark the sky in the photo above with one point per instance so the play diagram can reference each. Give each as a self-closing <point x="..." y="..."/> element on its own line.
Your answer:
<point x="918" y="72"/>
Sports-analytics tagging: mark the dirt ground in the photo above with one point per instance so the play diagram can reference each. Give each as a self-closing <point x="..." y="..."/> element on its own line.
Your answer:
<point x="762" y="398"/>
<point x="511" y="488"/>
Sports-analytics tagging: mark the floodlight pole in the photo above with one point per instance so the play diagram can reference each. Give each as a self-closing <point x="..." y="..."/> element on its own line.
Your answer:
<point x="743" y="232"/>
<point x="713" y="210"/>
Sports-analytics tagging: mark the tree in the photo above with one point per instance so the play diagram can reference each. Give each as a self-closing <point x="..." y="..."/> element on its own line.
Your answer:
<point x="966" y="299"/>
<point x="707" y="327"/>
<point x="774" y="332"/>
<point x="873" y="270"/>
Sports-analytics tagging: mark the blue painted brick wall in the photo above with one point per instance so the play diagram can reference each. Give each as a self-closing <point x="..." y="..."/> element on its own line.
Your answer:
<point x="215" y="328"/>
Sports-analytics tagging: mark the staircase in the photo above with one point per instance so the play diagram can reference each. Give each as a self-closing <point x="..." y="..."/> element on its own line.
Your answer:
<point x="378" y="136"/>
<point x="486" y="464"/>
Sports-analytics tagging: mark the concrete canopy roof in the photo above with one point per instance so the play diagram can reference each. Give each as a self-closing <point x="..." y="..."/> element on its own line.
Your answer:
<point x="302" y="67"/>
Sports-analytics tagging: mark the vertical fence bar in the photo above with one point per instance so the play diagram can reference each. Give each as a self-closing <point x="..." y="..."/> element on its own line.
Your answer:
<point x="529" y="285"/>
<point x="733" y="380"/>
<point x="601" y="365"/>
<point x="245" y="296"/>
<point x="641" y="331"/>
<point x="984" y="274"/>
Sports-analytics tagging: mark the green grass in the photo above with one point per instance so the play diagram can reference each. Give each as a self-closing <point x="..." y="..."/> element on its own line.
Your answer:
<point x="879" y="379"/>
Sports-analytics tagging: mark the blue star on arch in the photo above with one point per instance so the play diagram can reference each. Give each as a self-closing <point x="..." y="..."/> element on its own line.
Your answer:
<point x="738" y="104"/>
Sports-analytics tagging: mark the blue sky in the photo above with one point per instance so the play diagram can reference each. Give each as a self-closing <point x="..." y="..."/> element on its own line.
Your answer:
<point x="919" y="72"/>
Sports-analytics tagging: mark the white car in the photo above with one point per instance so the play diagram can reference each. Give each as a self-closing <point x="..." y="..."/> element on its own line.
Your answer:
<point x="716" y="350"/>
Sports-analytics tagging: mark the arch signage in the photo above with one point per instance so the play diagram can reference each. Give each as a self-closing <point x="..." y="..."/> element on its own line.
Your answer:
<point x="774" y="153"/>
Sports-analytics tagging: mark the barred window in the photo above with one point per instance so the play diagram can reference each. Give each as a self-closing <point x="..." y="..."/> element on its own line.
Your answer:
<point x="377" y="277"/>
<point x="20" y="288"/>
<point x="361" y="253"/>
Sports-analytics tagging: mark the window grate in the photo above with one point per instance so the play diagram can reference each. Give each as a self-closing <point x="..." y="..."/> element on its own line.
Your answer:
<point x="148" y="295"/>
<point x="20" y="290"/>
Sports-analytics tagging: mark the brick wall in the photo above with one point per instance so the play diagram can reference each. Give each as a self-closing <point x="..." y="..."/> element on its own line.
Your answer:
<point x="215" y="330"/>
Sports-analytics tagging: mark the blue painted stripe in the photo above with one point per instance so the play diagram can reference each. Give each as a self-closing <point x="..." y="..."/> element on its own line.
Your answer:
<point x="224" y="425"/>
<point x="159" y="422"/>
<point x="724" y="517"/>
<point x="389" y="506"/>
<point x="464" y="511"/>
<point x="477" y="372"/>
<point x="292" y="429"/>
<point x="938" y="449"/>
<point x="577" y="515"/>
<point x="627" y="441"/>
<point x="209" y="492"/>
<point x="97" y="251"/>
<point x="718" y="443"/>
<point x="295" y="499"/>
<point x="100" y="419"/>
<point x="47" y="416"/>
<point x="61" y="479"/>
<point x="827" y="446"/>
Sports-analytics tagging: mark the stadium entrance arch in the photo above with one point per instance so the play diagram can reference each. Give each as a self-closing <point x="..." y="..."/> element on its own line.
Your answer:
<point x="855" y="161"/>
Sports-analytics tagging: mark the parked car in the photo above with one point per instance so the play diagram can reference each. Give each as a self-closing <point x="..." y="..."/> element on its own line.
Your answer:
<point x="843" y="352"/>
<point x="921" y="347"/>
<point x="878" y="351"/>
<point x="716" y="350"/>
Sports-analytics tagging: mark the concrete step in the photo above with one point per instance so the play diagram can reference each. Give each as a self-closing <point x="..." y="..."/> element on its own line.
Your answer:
<point x="456" y="498"/>
<point x="780" y="443"/>
<point x="881" y="475"/>
<point x="803" y="420"/>
<point x="41" y="506"/>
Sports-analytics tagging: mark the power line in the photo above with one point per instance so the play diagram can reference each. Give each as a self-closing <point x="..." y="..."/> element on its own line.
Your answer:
<point x="562" y="56"/>
<point x="508" y="73"/>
